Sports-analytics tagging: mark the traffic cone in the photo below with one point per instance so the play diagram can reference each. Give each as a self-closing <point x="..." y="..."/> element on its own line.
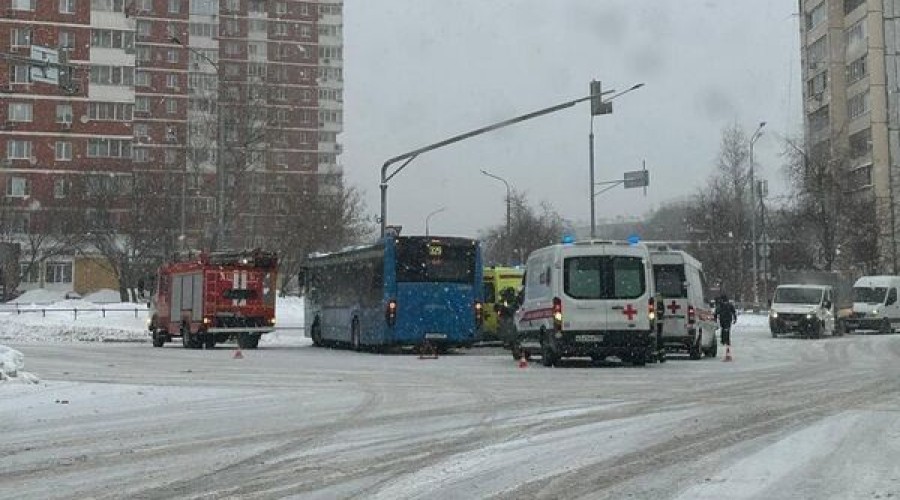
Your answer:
<point x="728" y="353"/>
<point x="237" y="354"/>
<point x="523" y="362"/>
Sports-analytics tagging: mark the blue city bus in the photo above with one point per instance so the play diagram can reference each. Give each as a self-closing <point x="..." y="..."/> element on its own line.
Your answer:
<point x="401" y="291"/>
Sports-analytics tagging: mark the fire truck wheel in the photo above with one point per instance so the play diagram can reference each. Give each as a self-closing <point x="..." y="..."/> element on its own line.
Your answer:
<point x="209" y="342"/>
<point x="248" y="340"/>
<point x="159" y="339"/>
<point x="189" y="340"/>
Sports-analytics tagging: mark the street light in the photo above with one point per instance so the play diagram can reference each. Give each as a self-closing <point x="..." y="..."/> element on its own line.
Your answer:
<point x="411" y="155"/>
<point x="591" y="140"/>
<point x="428" y="218"/>
<point x="508" y="198"/>
<point x="220" y="166"/>
<point x="753" y="138"/>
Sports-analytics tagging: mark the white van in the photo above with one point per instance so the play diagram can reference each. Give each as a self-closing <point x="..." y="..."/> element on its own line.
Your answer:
<point x="591" y="298"/>
<point x="805" y="309"/>
<point x="875" y="305"/>
<point x="687" y="320"/>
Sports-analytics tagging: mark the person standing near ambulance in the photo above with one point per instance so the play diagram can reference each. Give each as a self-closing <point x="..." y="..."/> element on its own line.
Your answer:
<point x="726" y="315"/>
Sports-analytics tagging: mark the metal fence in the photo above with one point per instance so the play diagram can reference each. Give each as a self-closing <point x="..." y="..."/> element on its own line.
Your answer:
<point x="33" y="309"/>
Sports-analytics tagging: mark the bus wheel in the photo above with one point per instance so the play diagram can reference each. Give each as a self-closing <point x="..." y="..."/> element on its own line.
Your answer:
<point x="316" y="334"/>
<point x="248" y="340"/>
<point x="354" y="335"/>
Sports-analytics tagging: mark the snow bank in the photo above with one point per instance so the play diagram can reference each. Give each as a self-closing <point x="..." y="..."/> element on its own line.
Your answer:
<point x="12" y="366"/>
<point x="40" y="296"/>
<point x="103" y="296"/>
<point x="84" y="321"/>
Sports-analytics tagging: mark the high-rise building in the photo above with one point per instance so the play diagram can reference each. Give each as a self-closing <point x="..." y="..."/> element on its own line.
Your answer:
<point x="850" y="50"/>
<point x="229" y="109"/>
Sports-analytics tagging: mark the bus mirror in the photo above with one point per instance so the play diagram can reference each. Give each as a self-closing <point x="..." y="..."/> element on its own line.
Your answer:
<point x="826" y="304"/>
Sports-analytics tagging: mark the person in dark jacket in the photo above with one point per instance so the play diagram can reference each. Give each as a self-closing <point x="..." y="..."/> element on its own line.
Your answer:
<point x="726" y="316"/>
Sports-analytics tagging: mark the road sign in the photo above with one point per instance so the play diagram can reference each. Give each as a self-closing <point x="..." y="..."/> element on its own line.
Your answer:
<point x="637" y="178"/>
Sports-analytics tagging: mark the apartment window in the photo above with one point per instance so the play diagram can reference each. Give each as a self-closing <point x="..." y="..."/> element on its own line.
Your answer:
<point x="63" y="113"/>
<point x="174" y="6"/>
<point x="204" y="29"/>
<point x="60" y="188"/>
<point x="23" y="4"/>
<point x="110" y="111"/>
<point x="256" y="7"/>
<point x="857" y="70"/>
<point x="257" y="70"/>
<point x="861" y="143"/>
<point x="816" y="16"/>
<point x="856" y="36"/>
<point x="109" y="148"/>
<point x="59" y="272"/>
<point x="66" y="39"/>
<point x="28" y="272"/>
<point x="66" y="6"/>
<point x="818" y="120"/>
<point x="112" y="39"/>
<point x="143" y="54"/>
<point x="142" y="104"/>
<point x="142" y="78"/>
<point x="141" y="155"/>
<point x="19" y="37"/>
<point x="171" y="106"/>
<point x="281" y="8"/>
<point x="20" y="112"/>
<point x="17" y="187"/>
<point x="143" y="27"/>
<point x="141" y="130"/>
<point x="861" y="177"/>
<point x="257" y="25"/>
<point x="851" y="5"/>
<point x="19" y="74"/>
<point x="232" y="5"/>
<point x="858" y="105"/>
<point x="204" y="7"/>
<point x="146" y="5"/>
<point x="232" y="70"/>
<point x="305" y="31"/>
<point x="172" y="56"/>
<point x="108" y="5"/>
<point x="112" y="75"/>
<point x="172" y="81"/>
<point x="232" y="48"/>
<point x="256" y="48"/>
<point x="18" y="150"/>
<point x="170" y="156"/>
<point x="63" y="151"/>
<point x="280" y="29"/>
<point x="816" y="53"/>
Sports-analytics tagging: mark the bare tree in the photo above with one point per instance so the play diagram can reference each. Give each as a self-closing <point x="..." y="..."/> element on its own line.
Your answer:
<point x="530" y="228"/>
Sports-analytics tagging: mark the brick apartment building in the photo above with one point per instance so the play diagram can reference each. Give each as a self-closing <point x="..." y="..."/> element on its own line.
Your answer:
<point x="167" y="93"/>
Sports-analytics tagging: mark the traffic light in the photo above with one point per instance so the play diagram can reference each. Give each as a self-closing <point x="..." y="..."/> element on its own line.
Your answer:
<point x="598" y="107"/>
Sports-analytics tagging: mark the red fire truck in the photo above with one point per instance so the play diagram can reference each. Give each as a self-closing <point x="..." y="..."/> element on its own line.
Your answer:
<point x="206" y="298"/>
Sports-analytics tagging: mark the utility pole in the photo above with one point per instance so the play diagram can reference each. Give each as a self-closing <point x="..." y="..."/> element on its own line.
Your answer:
<point x="508" y="245"/>
<point x="756" y="135"/>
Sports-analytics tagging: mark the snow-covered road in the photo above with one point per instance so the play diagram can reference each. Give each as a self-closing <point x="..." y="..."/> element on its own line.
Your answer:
<point x="788" y="419"/>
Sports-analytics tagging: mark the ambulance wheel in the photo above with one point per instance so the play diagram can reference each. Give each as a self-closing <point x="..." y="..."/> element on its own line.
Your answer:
<point x="695" y="352"/>
<point x="885" y="326"/>
<point x="516" y="351"/>
<point x="159" y="339"/>
<point x="713" y="350"/>
<point x="248" y="340"/>
<point x="548" y="355"/>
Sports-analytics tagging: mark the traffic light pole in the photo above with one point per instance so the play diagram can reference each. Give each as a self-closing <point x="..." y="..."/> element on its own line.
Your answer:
<point x="406" y="158"/>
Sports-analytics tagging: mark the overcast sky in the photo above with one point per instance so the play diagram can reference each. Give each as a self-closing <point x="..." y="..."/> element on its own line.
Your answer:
<point x="419" y="71"/>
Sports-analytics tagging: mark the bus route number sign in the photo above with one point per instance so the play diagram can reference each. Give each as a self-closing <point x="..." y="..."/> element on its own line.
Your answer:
<point x="435" y="250"/>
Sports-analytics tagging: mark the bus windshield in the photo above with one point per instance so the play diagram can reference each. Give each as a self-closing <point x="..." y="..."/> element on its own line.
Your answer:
<point x="424" y="260"/>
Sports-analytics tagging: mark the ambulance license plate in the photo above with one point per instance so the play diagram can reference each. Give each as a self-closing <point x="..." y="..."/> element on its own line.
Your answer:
<point x="589" y="338"/>
<point x="436" y="336"/>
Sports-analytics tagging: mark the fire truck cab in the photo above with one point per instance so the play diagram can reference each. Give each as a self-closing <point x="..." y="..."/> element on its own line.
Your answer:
<point x="206" y="298"/>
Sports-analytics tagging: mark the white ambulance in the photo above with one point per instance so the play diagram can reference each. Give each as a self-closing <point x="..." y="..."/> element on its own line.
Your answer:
<point x="687" y="320"/>
<point x="591" y="299"/>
